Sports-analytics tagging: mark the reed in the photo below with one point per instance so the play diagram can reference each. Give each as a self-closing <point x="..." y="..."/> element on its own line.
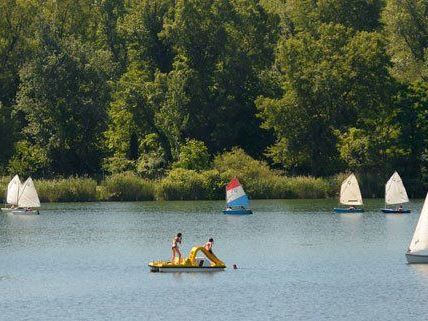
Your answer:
<point x="126" y="187"/>
<point x="3" y="187"/>
<point x="259" y="181"/>
<point x="182" y="184"/>
<point x="74" y="189"/>
<point x="307" y="187"/>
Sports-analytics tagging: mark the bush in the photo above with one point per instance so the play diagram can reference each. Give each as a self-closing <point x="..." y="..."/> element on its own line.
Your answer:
<point x="256" y="176"/>
<point x="309" y="187"/>
<point x="237" y="163"/>
<point x="260" y="182"/>
<point x="67" y="190"/>
<point x="214" y="184"/>
<point x="127" y="187"/>
<point x="185" y="184"/>
<point x="182" y="184"/>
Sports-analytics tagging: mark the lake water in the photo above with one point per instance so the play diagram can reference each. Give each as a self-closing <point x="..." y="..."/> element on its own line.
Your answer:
<point x="297" y="261"/>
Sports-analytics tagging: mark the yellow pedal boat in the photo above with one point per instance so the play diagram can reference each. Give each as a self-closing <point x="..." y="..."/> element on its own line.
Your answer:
<point x="209" y="263"/>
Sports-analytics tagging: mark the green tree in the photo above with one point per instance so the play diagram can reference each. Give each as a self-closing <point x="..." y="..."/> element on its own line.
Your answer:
<point x="151" y="163"/>
<point x="330" y="81"/>
<point x="7" y="135"/>
<point x="63" y="97"/>
<point x="193" y="155"/>
<point x="225" y="45"/>
<point x="65" y="18"/>
<point x="308" y="15"/>
<point x="28" y="159"/>
<point x="142" y="105"/>
<point x="16" y="23"/>
<point x="141" y="28"/>
<point x="111" y="12"/>
<point x="146" y="98"/>
<point x="373" y="150"/>
<point x="411" y="115"/>
<point x="406" y="27"/>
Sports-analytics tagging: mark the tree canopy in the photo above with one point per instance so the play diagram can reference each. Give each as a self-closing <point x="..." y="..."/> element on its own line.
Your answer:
<point x="307" y="87"/>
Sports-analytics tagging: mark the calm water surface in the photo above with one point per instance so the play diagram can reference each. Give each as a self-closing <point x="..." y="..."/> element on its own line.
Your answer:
<point x="297" y="261"/>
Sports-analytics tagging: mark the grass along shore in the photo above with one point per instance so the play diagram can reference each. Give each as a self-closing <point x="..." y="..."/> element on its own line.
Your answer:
<point x="180" y="184"/>
<point x="259" y="181"/>
<point x="183" y="184"/>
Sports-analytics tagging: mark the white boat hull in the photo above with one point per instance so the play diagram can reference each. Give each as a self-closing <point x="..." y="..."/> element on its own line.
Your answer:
<point x="7" y="209"/>
<point x="416" y="259"/>
<point x="185" y="270"/>
<point x="20" y="211"/>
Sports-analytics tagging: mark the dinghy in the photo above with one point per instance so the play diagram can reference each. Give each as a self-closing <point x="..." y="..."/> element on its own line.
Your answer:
<point x="237" y="202"/>
<point x="209" y="263"/>
<point x="350" y="194"/>
<point x="395" y="193"/>
<point x="418" y="249"/>
<point x="28" y="200"/>
<point x="12" y="194"/>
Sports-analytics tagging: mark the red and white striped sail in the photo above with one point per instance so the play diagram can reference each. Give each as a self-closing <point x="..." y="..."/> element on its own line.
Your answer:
<point x="235" y="194"/>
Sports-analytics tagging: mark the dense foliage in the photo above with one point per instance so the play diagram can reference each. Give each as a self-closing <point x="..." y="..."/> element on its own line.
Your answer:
<point x="161" y="89"/>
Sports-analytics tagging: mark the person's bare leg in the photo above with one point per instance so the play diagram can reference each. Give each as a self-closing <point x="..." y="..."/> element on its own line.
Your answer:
<point x="179" y="256"/>
<point x="173" y="255"/>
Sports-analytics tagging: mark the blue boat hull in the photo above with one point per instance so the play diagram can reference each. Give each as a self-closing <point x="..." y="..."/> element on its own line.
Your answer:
<point x="347" y="210"/>
<point x="392" y="211"/>
<point x="237" y="212"/>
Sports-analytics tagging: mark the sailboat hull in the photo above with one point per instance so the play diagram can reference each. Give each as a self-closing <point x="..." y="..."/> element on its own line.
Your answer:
<point x="238" y="212"/>
<point x="7" y="209"/>
<point x="348" y="210"/>
<point x="20" y="211"/>
<point x="416" y="259"/>
<point x="392" y="211"/>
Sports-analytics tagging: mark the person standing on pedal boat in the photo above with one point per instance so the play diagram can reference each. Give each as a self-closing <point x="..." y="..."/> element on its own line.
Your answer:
<point x="175" y="249"/>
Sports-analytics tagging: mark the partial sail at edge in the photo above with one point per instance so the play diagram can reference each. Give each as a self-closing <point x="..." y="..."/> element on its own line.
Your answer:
<point x="419" y="241"/>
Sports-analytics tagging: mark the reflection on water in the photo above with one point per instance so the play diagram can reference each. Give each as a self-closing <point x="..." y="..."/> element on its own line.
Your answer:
<point x="296" y="259"/>
<point x="421" y="269"/>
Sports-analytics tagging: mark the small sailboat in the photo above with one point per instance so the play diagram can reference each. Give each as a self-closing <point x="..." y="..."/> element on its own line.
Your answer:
<point x="395" y="193"/>
<point x="350" y="194"/>
<point x="25" y="199"/>
<point x="237" y="202"/>
<point x="209" y="263"/>
<point x="12" y="194"/>
<point x="418" y="249"/>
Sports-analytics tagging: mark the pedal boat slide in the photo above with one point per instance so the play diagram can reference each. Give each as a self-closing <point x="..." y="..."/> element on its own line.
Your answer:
<point x="191" y="264"/>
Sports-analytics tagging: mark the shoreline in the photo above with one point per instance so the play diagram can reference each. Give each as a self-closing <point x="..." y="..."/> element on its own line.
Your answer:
<point x="188" y="185"/>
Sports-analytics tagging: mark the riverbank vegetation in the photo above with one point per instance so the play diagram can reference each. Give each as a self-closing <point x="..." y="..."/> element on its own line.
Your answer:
<point x="162" y="99"/>
<point x="180" y="183"/>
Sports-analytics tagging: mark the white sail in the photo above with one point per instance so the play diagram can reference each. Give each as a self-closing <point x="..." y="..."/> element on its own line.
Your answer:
<point x="419" y="241"/>
<point x="13" y="191"/>
<point x="350" y="193"/>
<point x="395" y="192"/>
<point x="28" y="195"/>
